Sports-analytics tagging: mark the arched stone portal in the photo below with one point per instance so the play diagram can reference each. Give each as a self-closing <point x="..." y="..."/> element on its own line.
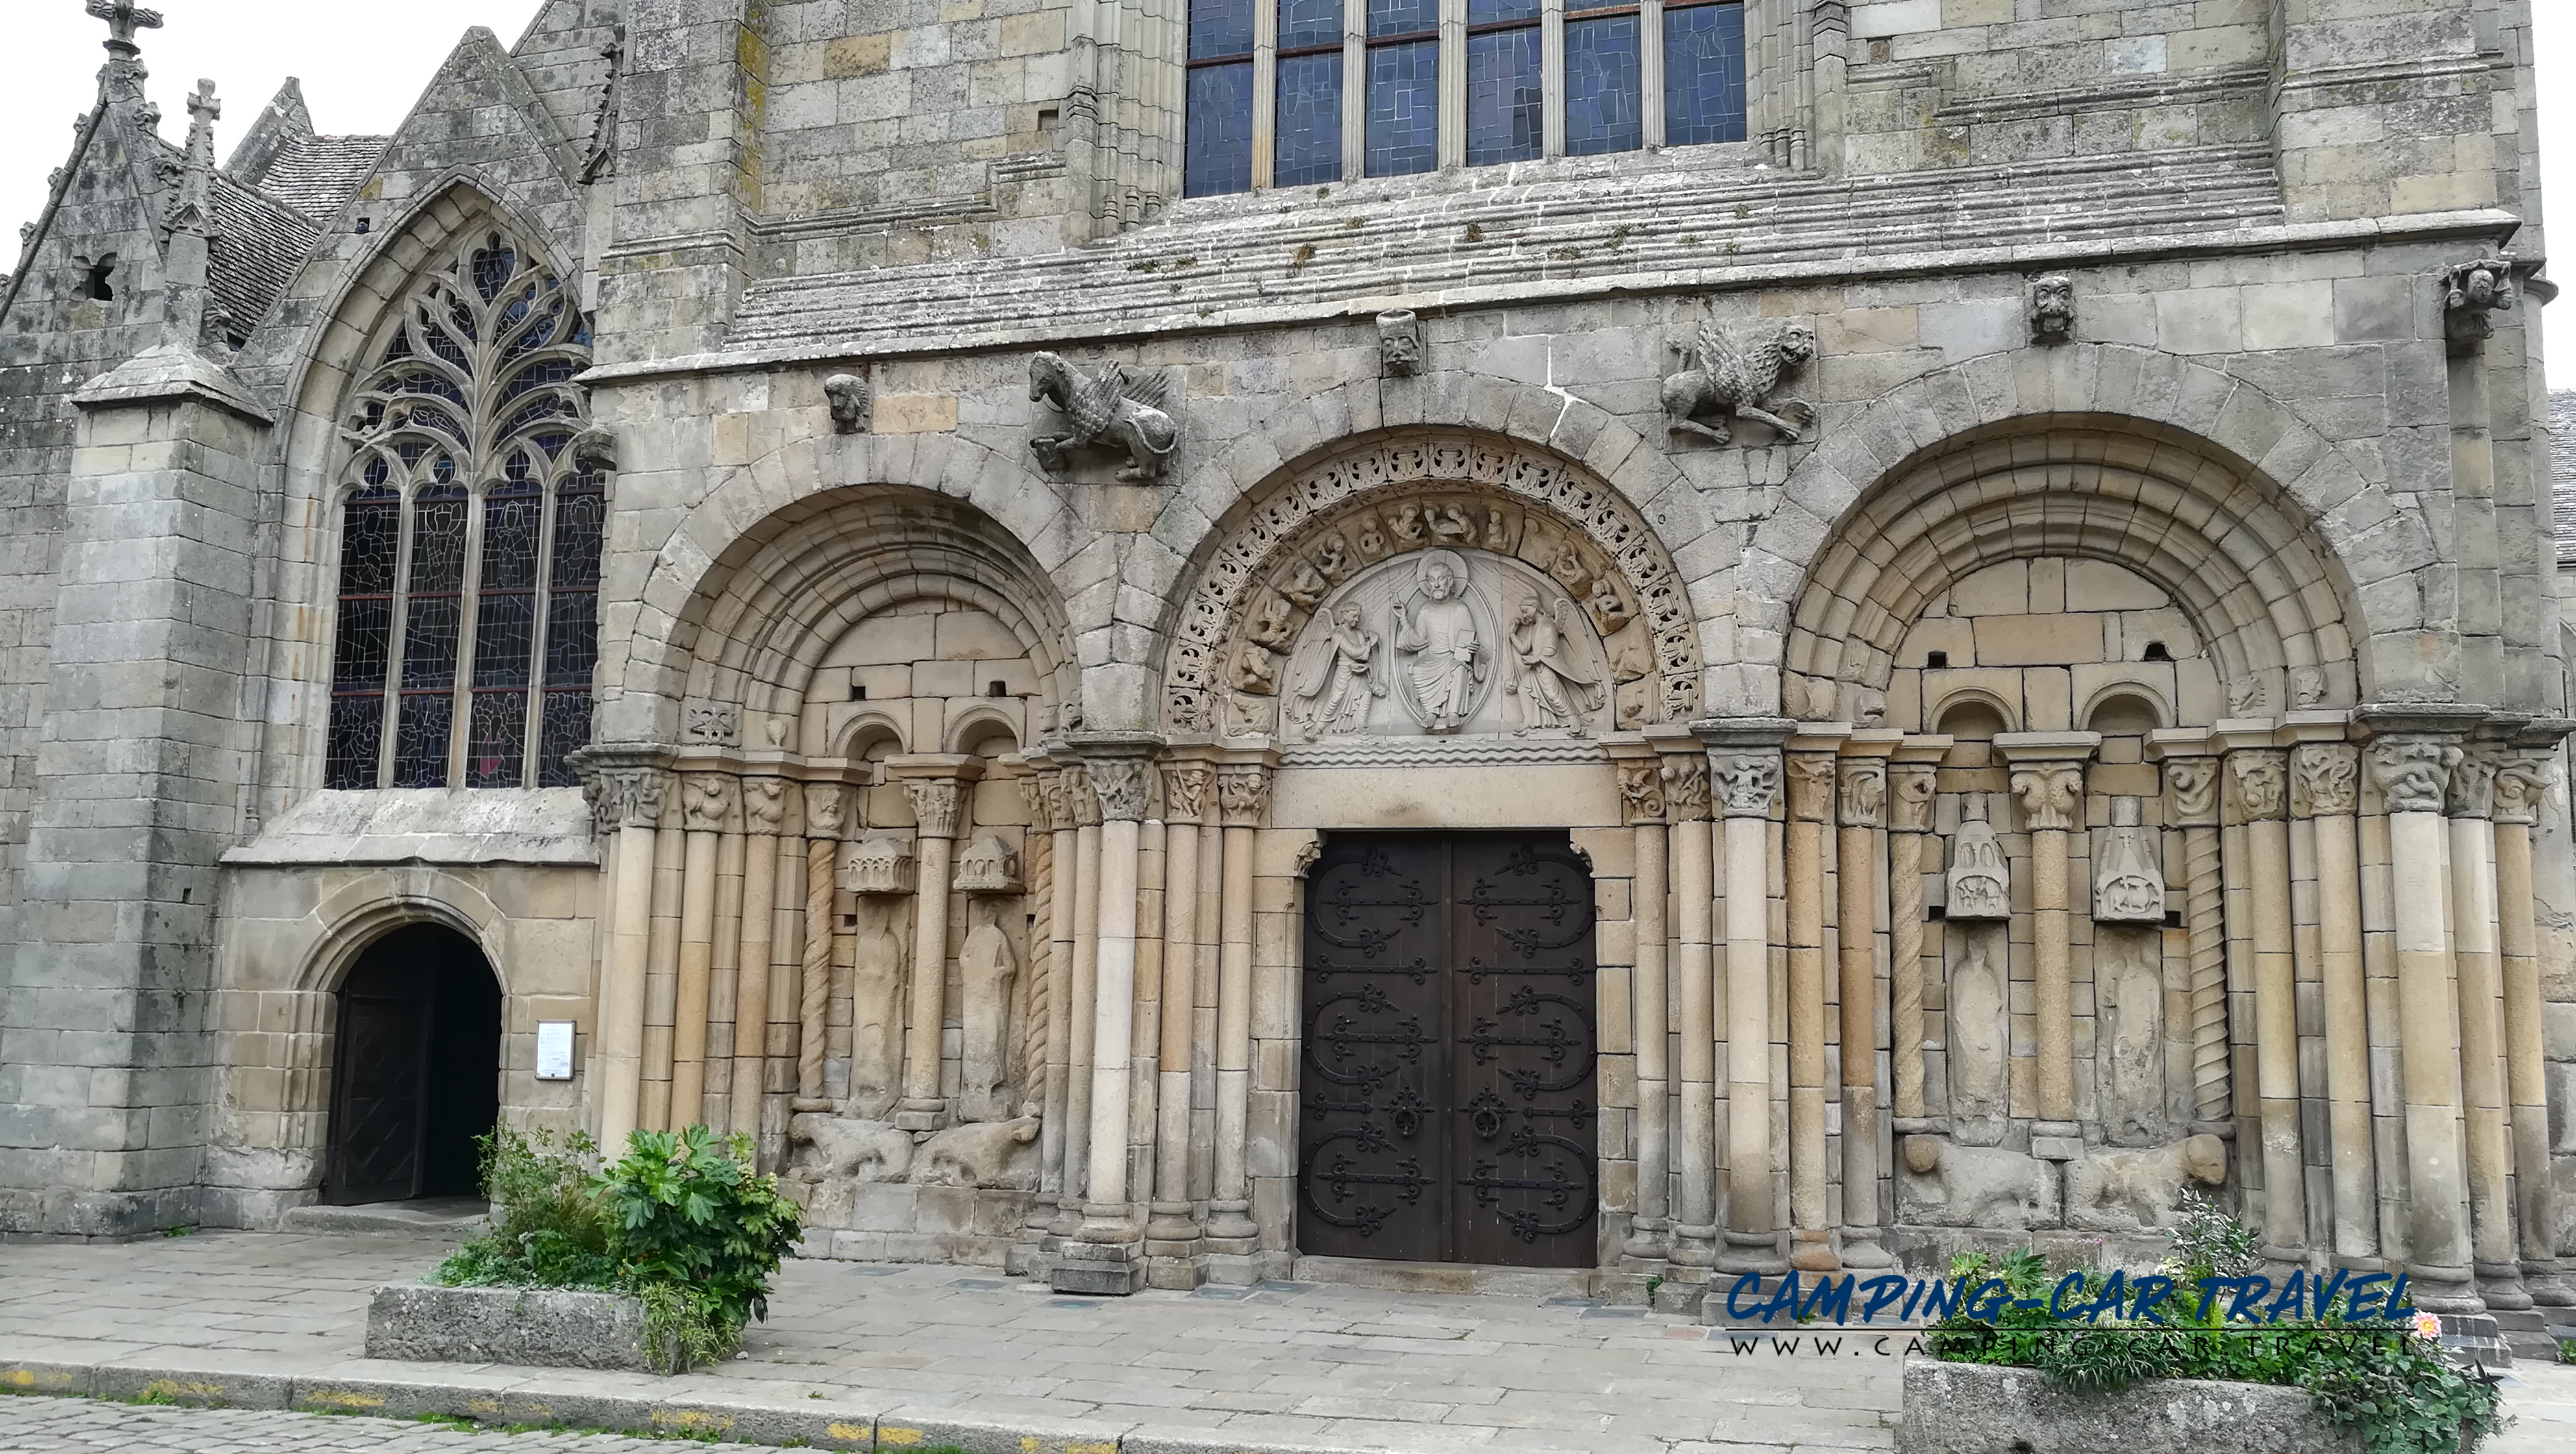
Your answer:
<point x="416" y="1070"/>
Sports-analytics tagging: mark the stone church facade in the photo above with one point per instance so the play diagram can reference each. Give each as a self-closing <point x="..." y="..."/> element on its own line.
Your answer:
<point x="1651" y="643"/>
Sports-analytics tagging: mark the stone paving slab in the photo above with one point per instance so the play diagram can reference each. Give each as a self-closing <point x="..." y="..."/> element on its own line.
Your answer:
<point x="875" y="1357"/>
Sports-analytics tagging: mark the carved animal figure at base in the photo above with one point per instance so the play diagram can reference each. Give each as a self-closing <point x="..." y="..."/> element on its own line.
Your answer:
<point x="841" y="1148"/>
<point x="999" y="1154"/>
<point x="1733" y="374"/>
<point x="2127" y="1191"/>
<point x="1975" y="1186"/>
<point x="1113" y="409"/>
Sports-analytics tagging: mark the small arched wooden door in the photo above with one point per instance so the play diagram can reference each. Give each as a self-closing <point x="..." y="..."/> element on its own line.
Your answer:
<point x="418" y="1069"/>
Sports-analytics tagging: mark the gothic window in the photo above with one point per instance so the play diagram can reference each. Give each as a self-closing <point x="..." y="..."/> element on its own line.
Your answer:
<point x="469" y="539"/>
<point x="1277" y="86"/>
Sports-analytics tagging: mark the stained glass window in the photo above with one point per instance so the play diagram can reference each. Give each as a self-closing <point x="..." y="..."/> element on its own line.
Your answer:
<point x="1216" y="148"/>
<point x="1604" y="108"/>
<point x="1309" y="145"/>
<point x="469" y="545"/>
<point x="1403" y="108"/>
<point x="1506" y="101"/>
<point x="1703" y="74"/>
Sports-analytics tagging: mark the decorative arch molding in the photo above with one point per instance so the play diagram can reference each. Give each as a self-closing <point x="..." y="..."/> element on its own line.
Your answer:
<point x="2265" y="595"/>
<point x="357" y="916"/>
<point x="2200" y="427"/>
<point x="787" y="589"/>
<point x="1260" y="575"/>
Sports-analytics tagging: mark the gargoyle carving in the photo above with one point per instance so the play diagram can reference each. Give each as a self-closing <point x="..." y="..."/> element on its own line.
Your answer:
<point x="847" y="397"/>
<point x="2052" y="309"/>
<point x="2472" y="293"/>
<point x="1112" y="409"/>
<point x="1734" y="373"/>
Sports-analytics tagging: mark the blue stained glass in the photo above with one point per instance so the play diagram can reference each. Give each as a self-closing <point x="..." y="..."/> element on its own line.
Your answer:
<point x="1703" y="74"/>
<point x="1604" y="96"/>
<point x="1487" y="12"/>
<point x="1220" y="28"/>
<point x="1402" y="17"/>
<point x="1506" y="103"/>
<point x="1309" y="22"/>
<point x="1217" y="156"/>
<point x="1310" y="121"/>
<point x="1403" y="108"/>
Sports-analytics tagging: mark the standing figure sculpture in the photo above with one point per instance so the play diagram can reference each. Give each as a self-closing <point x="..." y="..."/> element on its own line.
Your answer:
<point x="986" y="966"/>
<point x="1552" y="690"/>
<point x="876" y="1011"/>
<point x="1334" y="691"/>
<point x="1448" y="660"/>
<point x="1113" y="408"/>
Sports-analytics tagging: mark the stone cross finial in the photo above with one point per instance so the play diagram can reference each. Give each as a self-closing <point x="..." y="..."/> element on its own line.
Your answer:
<point x="123" y="18"/>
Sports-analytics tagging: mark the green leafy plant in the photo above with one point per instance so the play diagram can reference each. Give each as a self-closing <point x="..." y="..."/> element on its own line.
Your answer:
<point x="547" y="1227"/>
<point x="2210" y="1243"/>
<point x="692" y="1225"/>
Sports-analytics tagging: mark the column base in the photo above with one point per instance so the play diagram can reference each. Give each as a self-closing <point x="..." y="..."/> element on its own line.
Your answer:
<point x="1645" y="1241"/>
<point x="1811" y="1249"/>
<point x="1861" y="1250"/>
<point x="1174" y="1272"/>
<point x="1067" y="1219"/>
<point x="1755" y="1252"/>
<point x="2444" y="1290"/>
<point x="2550" y="1284"/>
<point x="1171" y="1223"/>
<point x="1694" y="1251"/>
<point x="1230" y="1269"/>
<point x="1231" y="1222"/>
<point x="1098" y="1269"/>
<point x="2500" y="1284"/>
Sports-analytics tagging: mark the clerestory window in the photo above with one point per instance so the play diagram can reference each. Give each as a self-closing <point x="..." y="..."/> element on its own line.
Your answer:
<point x="1286" y="93"/>
<point x="470" y="538"/>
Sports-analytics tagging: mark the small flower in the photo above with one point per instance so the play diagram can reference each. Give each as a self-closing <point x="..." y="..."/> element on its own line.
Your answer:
<point x="2427" y="1326"/>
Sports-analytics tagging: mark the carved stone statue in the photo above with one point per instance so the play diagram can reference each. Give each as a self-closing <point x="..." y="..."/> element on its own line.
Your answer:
<point x="847" y="395"/>
<point x="997" y="1154"/>
<point x="2129" y="997"/>
<point x="1980" y="883"/>
<point x="988" y="866"/>
<point x="2128" y="1191"/>
<point x="2472" y="293"/>
<point x="1399" y="343"/>
<point x="1112" y="409"/>
<point x="2052" y="309"/>
<point x="986" y="967"/>
<point x="1974" y="1186"/>
<point x="1553" y="691"/>
<point x="1439" y="633"/>
<point x="846" y="1149"/>
<point x="1334" y="691"/>
<point x="876" y="1010"/>
<point x="1734" y="373"/>
<point x="878" y="865"/>
<point x="1979" y="1048"/>
<point x="2128" y="870"/>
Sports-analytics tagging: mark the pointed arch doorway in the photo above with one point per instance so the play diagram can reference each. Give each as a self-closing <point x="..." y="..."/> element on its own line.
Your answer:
<point x="417" y="1074"/>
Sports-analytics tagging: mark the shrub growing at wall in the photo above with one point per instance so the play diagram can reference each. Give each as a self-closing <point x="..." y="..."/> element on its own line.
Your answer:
<point x="681" y="1222"/>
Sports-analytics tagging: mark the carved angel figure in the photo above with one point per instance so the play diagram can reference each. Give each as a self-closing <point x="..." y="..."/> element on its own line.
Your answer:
<point x="1553" y="690"/>
<point x="1113" y="409"/>
<point x="1733" y="374"/>
<point x="1334" y="691"/>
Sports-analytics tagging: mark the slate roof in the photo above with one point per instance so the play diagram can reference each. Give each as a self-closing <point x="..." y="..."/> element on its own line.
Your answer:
<point x="316" y="175"/>
<point x="2562" y="472"/>
<point x="259" y="245"/>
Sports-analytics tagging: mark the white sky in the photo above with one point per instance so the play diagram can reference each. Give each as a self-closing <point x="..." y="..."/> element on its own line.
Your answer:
<point x="363" y="64"/>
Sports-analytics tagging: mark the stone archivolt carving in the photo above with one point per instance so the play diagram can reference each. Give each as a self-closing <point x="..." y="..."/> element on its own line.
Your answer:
<point x="1399" y="344"/>
<point x="2051" y="793"/>
<point x="2325" y="780"/>
<point x="1745" y="783"/>
<point x="1512" y="523"/>
<point x="846" y="395"/>
<point x="988" y="866"/>
<point x="707" y="801"/>
<point x="2522" y="785"/>
<point x="1113" y="408"/>
<point x="717" y="724"/>
<point x="1641" y="790"/>
<point x="1732" y="373"/>
<point x="2412" y="772"/>
<point x="878" y="865"/>
<point x="2307" y="687"/>
<point x="2128" y="872"/>
<point x="2191" y="785"/>
<point x="2262" y="782"/>
<point x="2052" y="309"/>
<point x="1980" y="884"/>
<point x="1864" y="793"/>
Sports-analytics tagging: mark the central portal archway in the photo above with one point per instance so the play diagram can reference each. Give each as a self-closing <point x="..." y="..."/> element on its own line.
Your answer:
<point x="418" y="1072"/>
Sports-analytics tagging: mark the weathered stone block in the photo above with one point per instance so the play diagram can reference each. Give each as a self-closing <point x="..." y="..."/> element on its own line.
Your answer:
<point x="1965" y="1408"/>
<point x="548" y="1327"/>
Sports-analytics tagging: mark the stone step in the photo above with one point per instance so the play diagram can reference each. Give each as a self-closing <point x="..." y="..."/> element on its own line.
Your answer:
<point x="450" y="1217"/>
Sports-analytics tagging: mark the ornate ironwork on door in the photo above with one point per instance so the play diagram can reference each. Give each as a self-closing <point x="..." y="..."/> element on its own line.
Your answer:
<point x="1448" y="1101"/>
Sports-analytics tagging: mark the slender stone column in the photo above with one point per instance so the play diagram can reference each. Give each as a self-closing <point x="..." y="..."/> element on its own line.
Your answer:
<point x="1051" y="987"/>
<point x="2325" y="783"/>
<point x="1171" y="1238"/>
<point x="707" y="804"/>
<point x="1641" y="798"/>
<point x="724" y="970"/>
<point x="626" y="797"/>
<point x="1863" y="805"/>
<point x="2522" y="784"/>
<point x="1745" y="776"/>
<point x="662" y="973"/>
<point x="2474" y="950"/>
<point x="1811" y="808"/>
<point x="828" y="810"/>
<point x="2048" y="779"/>
<point x="764" y="810"/>
<point x="1911" y="785"/>
<point x="2412" y="770"/>
<point x="1083" y="996"/>
<point x="1243" y="800"/>
<point x="1695" y="1228"/>
<point x="2191" y="809"/>
<point x="934" y="783"/>
<point x="1102" y="1256"/>
<point x="2262" y="779"/>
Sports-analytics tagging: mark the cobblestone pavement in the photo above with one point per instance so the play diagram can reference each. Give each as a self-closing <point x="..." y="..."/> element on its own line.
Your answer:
<point x="85" y="1426"/>
<point x="1285" y="1364"/>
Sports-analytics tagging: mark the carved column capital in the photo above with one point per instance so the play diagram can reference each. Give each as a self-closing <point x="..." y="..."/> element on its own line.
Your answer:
<point x="708" y="801"/>
<point x="2522" y="783"/>
<point x="934" y="806"/>
<point x="1243" y="794"/>
<point x="2471" y="790"/>
<point x="2051" y="794"/>
<point x="624" y="785"/>
<point x="764" y="804"/>
<point x="2191" y="792"/>
<point x="1185" y="791"/>
<point x="1864" y="792"/>
<point x="1641" y="790"/>
<point x="1121" y="786"/>
<point x="1811" y="787"/>
<point x="2262" y="776"/>
<point x="830" y="810"/>
<point x="2325" y="779"/>
<point x="1911" y="787"/>
<point x="1746" y="783"/>
<point x="1081" y="804"/>
<point x="1684" y="781"/>
<point x="2413" y="770"/>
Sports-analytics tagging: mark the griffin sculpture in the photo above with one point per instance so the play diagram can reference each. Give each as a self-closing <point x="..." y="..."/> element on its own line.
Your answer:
<point x="1113" y="409"/>
<point x="1733" y="375"/>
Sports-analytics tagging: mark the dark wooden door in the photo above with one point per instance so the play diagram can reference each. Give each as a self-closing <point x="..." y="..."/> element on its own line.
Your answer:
<point x="379" y="1112"/>
<point x="1448" y="1098"/>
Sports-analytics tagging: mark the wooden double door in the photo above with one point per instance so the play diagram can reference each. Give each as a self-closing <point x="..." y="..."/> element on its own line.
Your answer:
<point x="1449" y="1101"/>
<point x="416" y="1071"/>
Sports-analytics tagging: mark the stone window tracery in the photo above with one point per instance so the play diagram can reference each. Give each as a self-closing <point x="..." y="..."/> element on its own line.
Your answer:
<point x="1285" y="93"/>
<point x="470" y="537"/>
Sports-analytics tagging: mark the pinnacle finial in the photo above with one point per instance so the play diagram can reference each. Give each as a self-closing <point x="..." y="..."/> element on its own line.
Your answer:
<point x="123" y="18"/>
